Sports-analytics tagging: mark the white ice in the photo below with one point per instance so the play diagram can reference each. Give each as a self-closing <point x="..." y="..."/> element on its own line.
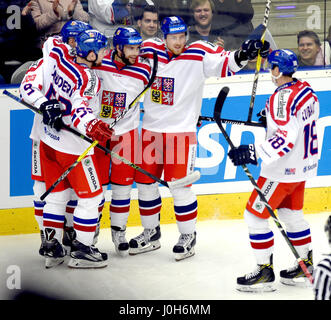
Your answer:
<point x="222" y="254"/>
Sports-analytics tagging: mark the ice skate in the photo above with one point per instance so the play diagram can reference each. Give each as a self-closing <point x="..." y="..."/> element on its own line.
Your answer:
<point x="260" y="280"/>
<point x="295" y="276"/>
<point x="42" y="245"/>
<point x="86" y="257"/>
<point x="119" y="240"/>
<point x="54" y="252"/>
<point x="148" y="240"/>
<point x="185" y="246"/>
<point x="97" y="232"/>
<point x="69" y="234"/>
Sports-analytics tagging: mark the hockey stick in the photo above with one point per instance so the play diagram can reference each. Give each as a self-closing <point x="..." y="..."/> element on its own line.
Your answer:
<point x="238" y="122"/>
<point x="258" y="62"/>
<point x="189" y="179"/>
<point x="140" y="95"/>
<point x="65" y="173"/>
<point x="217" y="115"/>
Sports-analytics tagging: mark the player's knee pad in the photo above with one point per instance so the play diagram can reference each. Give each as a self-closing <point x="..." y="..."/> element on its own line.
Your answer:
<point x="255" y="224"/>
<point x="39" y="188"/>
<point x="59" y="197"/>
<point x="182" y="196"/>
<point x="90" y="203"/>
<point x="120" y="192"/>
<point x="293" y="219"/>
<point x="148" y="191"/>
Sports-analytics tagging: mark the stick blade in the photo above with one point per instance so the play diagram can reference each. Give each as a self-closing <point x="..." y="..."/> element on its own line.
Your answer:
<point x="189" y="179"/>
<point x="220" y="102"/>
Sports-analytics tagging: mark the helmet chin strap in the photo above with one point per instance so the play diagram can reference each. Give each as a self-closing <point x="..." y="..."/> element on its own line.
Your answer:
<point x="275" y="78"/>
<point x="93" y="61"/>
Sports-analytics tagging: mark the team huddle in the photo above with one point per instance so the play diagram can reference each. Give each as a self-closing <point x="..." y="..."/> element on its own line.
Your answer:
<point x="86" y="83"/>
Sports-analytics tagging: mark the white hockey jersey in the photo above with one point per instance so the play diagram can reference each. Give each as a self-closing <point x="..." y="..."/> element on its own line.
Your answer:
<point x="173" y="103"/>
<point x="120" y="85"/>
<point x="290" y="151"/>
<point x="31" y="90"/>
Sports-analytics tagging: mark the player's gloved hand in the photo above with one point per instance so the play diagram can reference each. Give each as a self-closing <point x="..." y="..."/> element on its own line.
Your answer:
<point x="244" y="154"/>
<point x="99" y="130"/>
<point x="52" y="114"/>
<point x="262" y="118"/>
<point x="250" y="50"/>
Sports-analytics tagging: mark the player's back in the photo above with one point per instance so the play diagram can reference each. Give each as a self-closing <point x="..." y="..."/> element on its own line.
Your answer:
<point x="75" y="87"/>
<point x="294" y="110"/>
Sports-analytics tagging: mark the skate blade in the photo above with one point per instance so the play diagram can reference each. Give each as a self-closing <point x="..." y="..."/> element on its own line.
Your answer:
<point x="258" y="288"/>
<point x="154" y="245"/>
<point x="182" y="256"/>
<point x="52" y="262"/>
<point x="122" y="253"/>
<point x="302" y="282"/>
<point x="85" y="264"/>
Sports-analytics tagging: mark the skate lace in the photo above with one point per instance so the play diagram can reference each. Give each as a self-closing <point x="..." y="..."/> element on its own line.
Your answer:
<point x="253" y="273"/>
<point x="184" y="239"/>
<point x="121" y="236"/>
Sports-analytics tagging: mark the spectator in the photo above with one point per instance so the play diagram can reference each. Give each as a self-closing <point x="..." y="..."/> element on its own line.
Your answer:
<point x="18" y="37"/>
<point x="310" y="49"/>
<point x="233" y="18"/>
<point x="174" y="8"/>
<point x="123" y="12"/>
<point x="148" y="23"/>
<point x="202" y="12"/>
<point x="50" y="16"/>
<point x="101" y="16"/>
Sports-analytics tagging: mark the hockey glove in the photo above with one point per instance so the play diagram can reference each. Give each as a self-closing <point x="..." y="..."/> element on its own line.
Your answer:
<point x="250" y="50"/>
<point x="52" y="114"/>
<point x="262" y="117"/>
<point x="244" y="154"/>
<point x="99" y="130"/>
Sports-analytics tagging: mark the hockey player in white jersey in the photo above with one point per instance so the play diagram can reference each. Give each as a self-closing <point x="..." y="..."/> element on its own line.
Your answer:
<point x="168" y="140"/>
<point x="34" y="78"/>
<point x="123" y="76"/>
<point x="75" y="86"/>
<point x="289" y="157"/>
<point x="322" y="272"/>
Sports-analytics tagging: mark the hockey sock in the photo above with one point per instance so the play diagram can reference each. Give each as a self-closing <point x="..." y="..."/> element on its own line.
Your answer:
<point x="149" y="205"/>
<point x="86" y="217"/>
<point x="260" y="236"/>
<point x="186" y="209"/>
<point x="297" y="229"/>
<point x="70" y="208"/>
<point x="120" y="205"/>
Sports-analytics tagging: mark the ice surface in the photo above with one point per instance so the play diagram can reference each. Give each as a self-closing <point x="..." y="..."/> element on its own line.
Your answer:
<point x="222" y="254"/>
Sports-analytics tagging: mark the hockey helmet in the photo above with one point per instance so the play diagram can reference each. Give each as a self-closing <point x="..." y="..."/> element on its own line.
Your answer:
<point x="285" y="59"/>
<point x="90" y="41"/>
<point x="126" y="36"/>
<point x="173" y="25"/>
<point x="73" y="28"/>
<point x="327" y="229"/>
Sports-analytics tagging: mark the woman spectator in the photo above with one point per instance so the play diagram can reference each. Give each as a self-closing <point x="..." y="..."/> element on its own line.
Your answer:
<point x="50" y="15"/>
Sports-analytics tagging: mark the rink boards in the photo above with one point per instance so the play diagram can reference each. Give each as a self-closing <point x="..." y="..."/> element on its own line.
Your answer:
<point x="222" y="190"/>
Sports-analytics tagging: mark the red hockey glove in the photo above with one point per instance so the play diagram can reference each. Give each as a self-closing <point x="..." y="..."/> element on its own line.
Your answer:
<point x="98" y="130"/>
